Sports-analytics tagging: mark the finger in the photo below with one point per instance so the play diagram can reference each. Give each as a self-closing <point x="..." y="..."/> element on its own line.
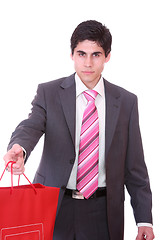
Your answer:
<point x="146" y="234"/>
<point x="18" y="172"/>
<point x="14" y="154"/>
<point x="140" y="236"/>
<point x="18" y="167"/>
<point x="17" y="150"/>
<point x="19" y="163"/>
<point x="10" y="156"/>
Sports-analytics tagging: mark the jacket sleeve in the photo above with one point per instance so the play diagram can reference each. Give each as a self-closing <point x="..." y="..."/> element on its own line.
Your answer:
<point x="136" y="175"/>
<point x="29" y="131"/>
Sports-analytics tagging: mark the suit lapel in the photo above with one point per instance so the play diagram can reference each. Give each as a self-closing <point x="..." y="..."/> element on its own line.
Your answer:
<point x="112" y="112"/>
<point x="68" y="100"/>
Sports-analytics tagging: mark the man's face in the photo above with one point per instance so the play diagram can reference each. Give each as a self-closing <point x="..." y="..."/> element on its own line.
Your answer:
<point x="89" y="59"/>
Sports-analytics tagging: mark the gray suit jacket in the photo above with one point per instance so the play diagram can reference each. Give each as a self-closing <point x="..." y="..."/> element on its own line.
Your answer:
<point x="53" y="114"/>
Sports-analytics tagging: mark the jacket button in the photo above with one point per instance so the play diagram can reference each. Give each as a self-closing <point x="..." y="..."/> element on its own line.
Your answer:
<point x="72" y="161"/>
<point x="63" y="187"/>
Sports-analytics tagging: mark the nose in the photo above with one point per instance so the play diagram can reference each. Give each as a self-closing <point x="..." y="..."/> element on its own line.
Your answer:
<point x="88" y="61"/>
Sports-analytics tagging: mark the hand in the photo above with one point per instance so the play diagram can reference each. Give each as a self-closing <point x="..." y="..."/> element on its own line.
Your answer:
<point x="145" y="233"/>
<point x="15" y="154"/>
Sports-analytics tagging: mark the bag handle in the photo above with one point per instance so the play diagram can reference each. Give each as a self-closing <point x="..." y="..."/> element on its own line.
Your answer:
<point x="12" y="162"/>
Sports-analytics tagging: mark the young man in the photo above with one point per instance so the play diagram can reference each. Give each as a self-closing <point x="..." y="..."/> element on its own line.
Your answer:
<point x="90" y="167"/>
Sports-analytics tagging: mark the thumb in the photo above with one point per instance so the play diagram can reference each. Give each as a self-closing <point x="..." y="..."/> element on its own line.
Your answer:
<point x="17" y="149"/>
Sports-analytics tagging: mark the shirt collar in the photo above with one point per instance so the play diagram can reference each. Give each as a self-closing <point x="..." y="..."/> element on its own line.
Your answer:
<point x="80" y="87"/>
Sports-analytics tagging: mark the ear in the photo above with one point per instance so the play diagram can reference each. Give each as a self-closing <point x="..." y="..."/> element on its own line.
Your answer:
<point x="108" y="58"/>
<point x="71" y="55"/>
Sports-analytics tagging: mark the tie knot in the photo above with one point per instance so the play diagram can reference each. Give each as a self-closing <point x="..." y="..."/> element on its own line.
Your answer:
<point x="90" y="95"/>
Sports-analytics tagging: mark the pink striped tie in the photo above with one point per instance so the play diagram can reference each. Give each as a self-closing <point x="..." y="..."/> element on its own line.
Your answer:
<point x="87" y="173"/>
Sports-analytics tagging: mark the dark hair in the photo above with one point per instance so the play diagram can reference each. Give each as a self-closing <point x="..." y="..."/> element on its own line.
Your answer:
<point x="93" y="31"/>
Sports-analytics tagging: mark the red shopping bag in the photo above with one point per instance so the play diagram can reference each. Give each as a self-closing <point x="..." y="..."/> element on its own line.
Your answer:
<point x="27" y="212"/>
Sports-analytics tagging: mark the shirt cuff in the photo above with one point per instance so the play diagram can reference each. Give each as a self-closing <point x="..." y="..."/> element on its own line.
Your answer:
<point x="24" y="153"/>
<point x="144" y="225"/>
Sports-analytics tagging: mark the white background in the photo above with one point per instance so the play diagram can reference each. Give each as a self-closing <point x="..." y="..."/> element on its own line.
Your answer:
<point x="35" y="48"/>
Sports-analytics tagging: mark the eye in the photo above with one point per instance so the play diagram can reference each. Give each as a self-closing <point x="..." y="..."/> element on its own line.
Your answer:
<point x="81" y="54"/>
<point x="96" y="54"/>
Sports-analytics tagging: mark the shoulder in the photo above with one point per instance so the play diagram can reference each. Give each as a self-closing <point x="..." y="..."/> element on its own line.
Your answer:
<point x="54" y="83"/>
<point x="118" y="91"/>
<point x="58" y="82"/>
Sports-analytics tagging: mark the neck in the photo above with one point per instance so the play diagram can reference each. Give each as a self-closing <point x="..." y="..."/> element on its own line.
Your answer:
<point x="91" y="84"/>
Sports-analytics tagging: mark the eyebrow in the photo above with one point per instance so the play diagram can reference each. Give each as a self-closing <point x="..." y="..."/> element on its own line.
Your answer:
<point x="80" y="51"/>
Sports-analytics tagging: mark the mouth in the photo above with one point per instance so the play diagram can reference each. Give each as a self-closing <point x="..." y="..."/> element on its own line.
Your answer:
<point x="87" y="72"/>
